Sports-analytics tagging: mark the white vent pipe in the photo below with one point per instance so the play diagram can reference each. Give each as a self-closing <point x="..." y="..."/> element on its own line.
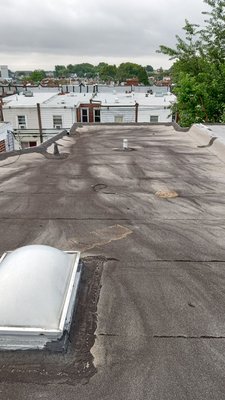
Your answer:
<point x="125" y="144"/>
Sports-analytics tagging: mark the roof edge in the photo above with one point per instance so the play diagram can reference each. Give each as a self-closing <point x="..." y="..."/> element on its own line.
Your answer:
<point x="41" y="149"/>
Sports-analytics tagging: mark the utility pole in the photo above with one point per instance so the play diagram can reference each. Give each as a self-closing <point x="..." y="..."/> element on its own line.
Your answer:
<point x="39" y="122"/>
<point x="136" y="112"/>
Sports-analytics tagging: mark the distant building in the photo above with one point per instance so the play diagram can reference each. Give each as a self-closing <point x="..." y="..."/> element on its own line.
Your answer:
<point x="166" y="81"/>
<point x="132" y="82"/>
<point x="49" y="74"/>
<point x="4" y="72"/>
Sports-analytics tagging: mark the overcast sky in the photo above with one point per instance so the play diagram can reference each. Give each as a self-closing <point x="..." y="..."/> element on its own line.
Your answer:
<point x="43" y="33"/>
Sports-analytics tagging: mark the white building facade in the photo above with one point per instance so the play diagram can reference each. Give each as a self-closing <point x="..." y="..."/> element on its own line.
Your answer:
<point x="56" y="111"/>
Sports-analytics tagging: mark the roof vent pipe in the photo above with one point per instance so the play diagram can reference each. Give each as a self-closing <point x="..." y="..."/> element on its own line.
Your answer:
<point x="125" y="144"/>
<point x="56" y="149"/>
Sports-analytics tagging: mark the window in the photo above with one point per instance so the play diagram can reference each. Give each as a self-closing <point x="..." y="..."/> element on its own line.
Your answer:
<point x="97" y="116"/>
<point x="118" y="119"/>
<point x="25" y="145"/>
<point x="154" y="118"/>
<point x="21" y="121"/>
<point x="32" y="144"/>
<point x="57" y="121"/>
<point x="84" y="115"/>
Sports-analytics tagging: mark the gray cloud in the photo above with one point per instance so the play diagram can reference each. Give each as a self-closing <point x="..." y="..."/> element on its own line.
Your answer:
<point x="44" y="33"/>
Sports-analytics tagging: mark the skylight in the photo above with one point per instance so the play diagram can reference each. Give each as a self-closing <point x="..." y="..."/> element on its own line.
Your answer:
<point x="38" y="286"/>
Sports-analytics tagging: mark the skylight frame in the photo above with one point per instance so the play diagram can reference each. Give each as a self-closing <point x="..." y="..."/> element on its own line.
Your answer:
<point x="67" y="310"/>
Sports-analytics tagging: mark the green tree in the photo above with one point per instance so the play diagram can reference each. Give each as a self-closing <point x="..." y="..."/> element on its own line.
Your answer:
<point x="100" y="66"/>
<point x="149" y="69"/>
<point x="199" y="69"/>
<point x="130" y="70"/>
<point x="108" y="72"/>
<point x="37" y="75"/>
<point x="70" y="69"/>
<point x="213" y="34"/>
<point x="61" y="71"/>
<point x="84" y="70"/>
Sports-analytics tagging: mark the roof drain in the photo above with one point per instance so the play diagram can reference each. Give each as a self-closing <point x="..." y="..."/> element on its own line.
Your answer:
<point x="38" y="286"/>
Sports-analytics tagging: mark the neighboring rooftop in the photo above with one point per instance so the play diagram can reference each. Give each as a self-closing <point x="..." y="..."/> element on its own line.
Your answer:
<point x="20" y="100"/>
<point x="150" y="226"/>
<point x="72" y="99"/>
<point x="68" y="100"/>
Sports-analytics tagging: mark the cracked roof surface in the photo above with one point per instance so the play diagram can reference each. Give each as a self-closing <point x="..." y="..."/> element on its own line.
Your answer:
<point x="150" y="322"/>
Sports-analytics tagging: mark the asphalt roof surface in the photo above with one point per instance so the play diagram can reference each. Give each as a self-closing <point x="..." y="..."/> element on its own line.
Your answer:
<point x="150" y="322"/>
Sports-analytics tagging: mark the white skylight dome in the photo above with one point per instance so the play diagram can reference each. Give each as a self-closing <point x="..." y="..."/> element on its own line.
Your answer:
<point x="38" y="286"/>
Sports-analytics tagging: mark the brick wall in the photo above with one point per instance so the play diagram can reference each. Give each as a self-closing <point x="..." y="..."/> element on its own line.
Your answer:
<point x="90" y="107"/>
<point x="2" y="146"/>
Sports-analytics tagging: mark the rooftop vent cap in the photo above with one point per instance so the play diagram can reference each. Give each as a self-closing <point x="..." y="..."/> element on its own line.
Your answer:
<point x="125" y="144"/>
<point x="28" y="93"/>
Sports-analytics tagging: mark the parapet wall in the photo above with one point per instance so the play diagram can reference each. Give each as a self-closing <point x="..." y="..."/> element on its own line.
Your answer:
<point x="206" y="138"/>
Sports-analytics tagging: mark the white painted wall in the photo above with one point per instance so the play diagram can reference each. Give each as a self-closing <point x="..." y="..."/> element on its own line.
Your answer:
<point x="11" y="114"/>
<point x="108" y="115"/>
<point x="68" y="114"/>
<point x="47" y="113"/>
<point x="144" y="114"/>
<point x="68" y="117"/>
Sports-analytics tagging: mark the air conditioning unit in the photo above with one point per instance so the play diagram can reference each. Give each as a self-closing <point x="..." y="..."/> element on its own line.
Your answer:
<point x="22" y="126"/>
<point x="28" y="93"/>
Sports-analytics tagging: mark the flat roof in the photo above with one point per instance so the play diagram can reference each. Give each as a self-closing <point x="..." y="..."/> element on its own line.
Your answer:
<point x="73" y="99"/>
<point x="150" y="226"/>
<point x="68" y="99"/>
<point x="19" y="100"/>
<point x="165" y="100"/>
